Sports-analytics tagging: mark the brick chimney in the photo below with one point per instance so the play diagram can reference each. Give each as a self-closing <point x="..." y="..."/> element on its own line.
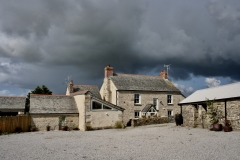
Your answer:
<point x="71" y="86"/>
<point x="163" y="74"/>
<point x="108" y="71"/>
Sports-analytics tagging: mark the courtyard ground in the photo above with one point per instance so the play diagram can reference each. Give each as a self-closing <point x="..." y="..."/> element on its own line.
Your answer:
<point x="162" y="141"/>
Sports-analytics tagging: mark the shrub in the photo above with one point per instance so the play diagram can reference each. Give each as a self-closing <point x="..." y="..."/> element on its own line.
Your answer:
<point x="118" y="124"/>
<point x="75" y="128"/>
<point x="89" y="127"/>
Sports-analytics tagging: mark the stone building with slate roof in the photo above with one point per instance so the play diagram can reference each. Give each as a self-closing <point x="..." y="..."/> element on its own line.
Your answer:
<point x="46" y="110"/>
<point x="12" y="106"/>
<point x="226" y="98"/>
<point x="137" y="93"/>
<point x="82" y="106"/>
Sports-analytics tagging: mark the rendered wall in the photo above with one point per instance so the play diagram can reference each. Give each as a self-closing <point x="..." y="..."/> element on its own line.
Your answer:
<point x="80" y="101"/>
<point x="108" y="91"/>
<point x="100" y="118"/>
<point x="104" y="118"/>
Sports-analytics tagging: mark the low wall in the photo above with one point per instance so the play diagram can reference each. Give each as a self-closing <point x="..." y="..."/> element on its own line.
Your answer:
<point x="152" y="120"/>
<point x="41" y="121"/>
<point x="103" y="119"/>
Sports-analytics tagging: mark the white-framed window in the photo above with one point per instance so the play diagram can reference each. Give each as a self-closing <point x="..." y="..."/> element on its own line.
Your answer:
<point x="170" y="113"/>
<point x="100" y="106"/>
<point x="155" y="103"/>
<point x="137" y="99"/>
<point x="169" y="99"/>
<point x="136" y="114"/>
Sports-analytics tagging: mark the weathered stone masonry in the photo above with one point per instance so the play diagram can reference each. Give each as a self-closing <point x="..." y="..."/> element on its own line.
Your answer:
<point x="196" y="116"/>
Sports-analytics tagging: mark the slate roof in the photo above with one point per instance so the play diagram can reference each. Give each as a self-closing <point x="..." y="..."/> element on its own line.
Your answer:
<point x="52" y="104"/>
<point x="12" y="103"/>
<point x="147" y="107"/>
<point x="217" y="93"/>
<point x="142" y="83"/>
<point x="108" y="104"/>
<point x="82" y="89"/>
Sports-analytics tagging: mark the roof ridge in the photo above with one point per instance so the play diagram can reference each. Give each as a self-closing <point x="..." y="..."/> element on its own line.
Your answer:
<point x="138" y="75"/>
<point x="85" y="85"/>
<point x="48" y="95"/>
<point x="229" y="84"/>
<point x="12" y="96"/>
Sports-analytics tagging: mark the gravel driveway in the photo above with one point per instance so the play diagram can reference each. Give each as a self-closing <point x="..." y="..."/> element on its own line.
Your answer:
<point x="162" y="141"/>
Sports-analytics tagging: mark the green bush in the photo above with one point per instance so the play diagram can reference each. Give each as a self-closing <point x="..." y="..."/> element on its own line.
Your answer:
<point x="118" y="124"/>
<point x="89" y="128"/>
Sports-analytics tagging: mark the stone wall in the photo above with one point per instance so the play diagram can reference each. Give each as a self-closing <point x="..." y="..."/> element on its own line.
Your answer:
<point x="233" y="113"/>
<point x="195" y="116"/>
<point x="41" y="121"/>
<point x="126" y="100"/>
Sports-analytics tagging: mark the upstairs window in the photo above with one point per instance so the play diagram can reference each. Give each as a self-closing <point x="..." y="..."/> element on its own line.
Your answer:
<point x="169" y="99"/>
<point x="137" y="99"/>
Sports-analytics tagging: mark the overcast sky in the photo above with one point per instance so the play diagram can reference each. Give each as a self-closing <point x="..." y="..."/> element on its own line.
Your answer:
<point x="42" y="42"/>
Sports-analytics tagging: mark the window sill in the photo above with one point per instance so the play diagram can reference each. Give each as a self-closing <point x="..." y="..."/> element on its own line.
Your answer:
<point x="170" y="103"/>
<point x="137" y="104"/>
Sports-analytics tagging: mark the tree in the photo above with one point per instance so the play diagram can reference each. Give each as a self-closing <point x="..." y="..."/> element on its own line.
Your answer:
<point x="37" y="90"/>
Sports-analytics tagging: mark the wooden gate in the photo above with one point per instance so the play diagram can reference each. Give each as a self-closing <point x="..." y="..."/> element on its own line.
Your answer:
<point x="13" y="123"/>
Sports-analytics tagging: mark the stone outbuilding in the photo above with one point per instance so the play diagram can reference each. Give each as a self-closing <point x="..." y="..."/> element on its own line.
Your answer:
<point x="53" y="110"/>
<point x="12" y="106"/>
<point x="226" y="98"/>
<point x="141" y="95"/>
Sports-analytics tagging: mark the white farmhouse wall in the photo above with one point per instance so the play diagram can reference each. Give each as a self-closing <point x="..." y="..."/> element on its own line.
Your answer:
<point x="108" y="91"/>
<point x="80" y="101"/>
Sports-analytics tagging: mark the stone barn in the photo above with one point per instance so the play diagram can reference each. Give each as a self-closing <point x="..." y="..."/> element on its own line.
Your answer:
<point x="226" y="98"/>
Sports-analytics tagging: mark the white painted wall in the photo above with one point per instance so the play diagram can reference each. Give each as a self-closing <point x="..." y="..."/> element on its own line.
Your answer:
<point x="80" y="101"/>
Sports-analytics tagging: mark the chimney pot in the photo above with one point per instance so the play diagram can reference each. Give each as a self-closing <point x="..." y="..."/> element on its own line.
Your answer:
<point x="71" y="86"/>
<point x="108" y="71"/>
<point x="163" y="74"/>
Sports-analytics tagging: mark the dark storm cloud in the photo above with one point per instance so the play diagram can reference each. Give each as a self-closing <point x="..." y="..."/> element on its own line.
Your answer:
<point x="56" y="38"/>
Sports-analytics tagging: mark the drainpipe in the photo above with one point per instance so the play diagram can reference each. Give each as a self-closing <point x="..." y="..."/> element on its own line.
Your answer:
<point x="181" y="109"/>
<point x="116" y="97"/>
<point x="225" y="103"/>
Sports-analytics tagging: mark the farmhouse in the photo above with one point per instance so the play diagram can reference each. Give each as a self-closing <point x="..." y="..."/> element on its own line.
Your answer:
<point x="226" y="98"/>
<point x="141" y="95"/>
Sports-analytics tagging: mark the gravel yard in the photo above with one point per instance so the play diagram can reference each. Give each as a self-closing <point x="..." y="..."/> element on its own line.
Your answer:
<point x="162" y="141"/>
